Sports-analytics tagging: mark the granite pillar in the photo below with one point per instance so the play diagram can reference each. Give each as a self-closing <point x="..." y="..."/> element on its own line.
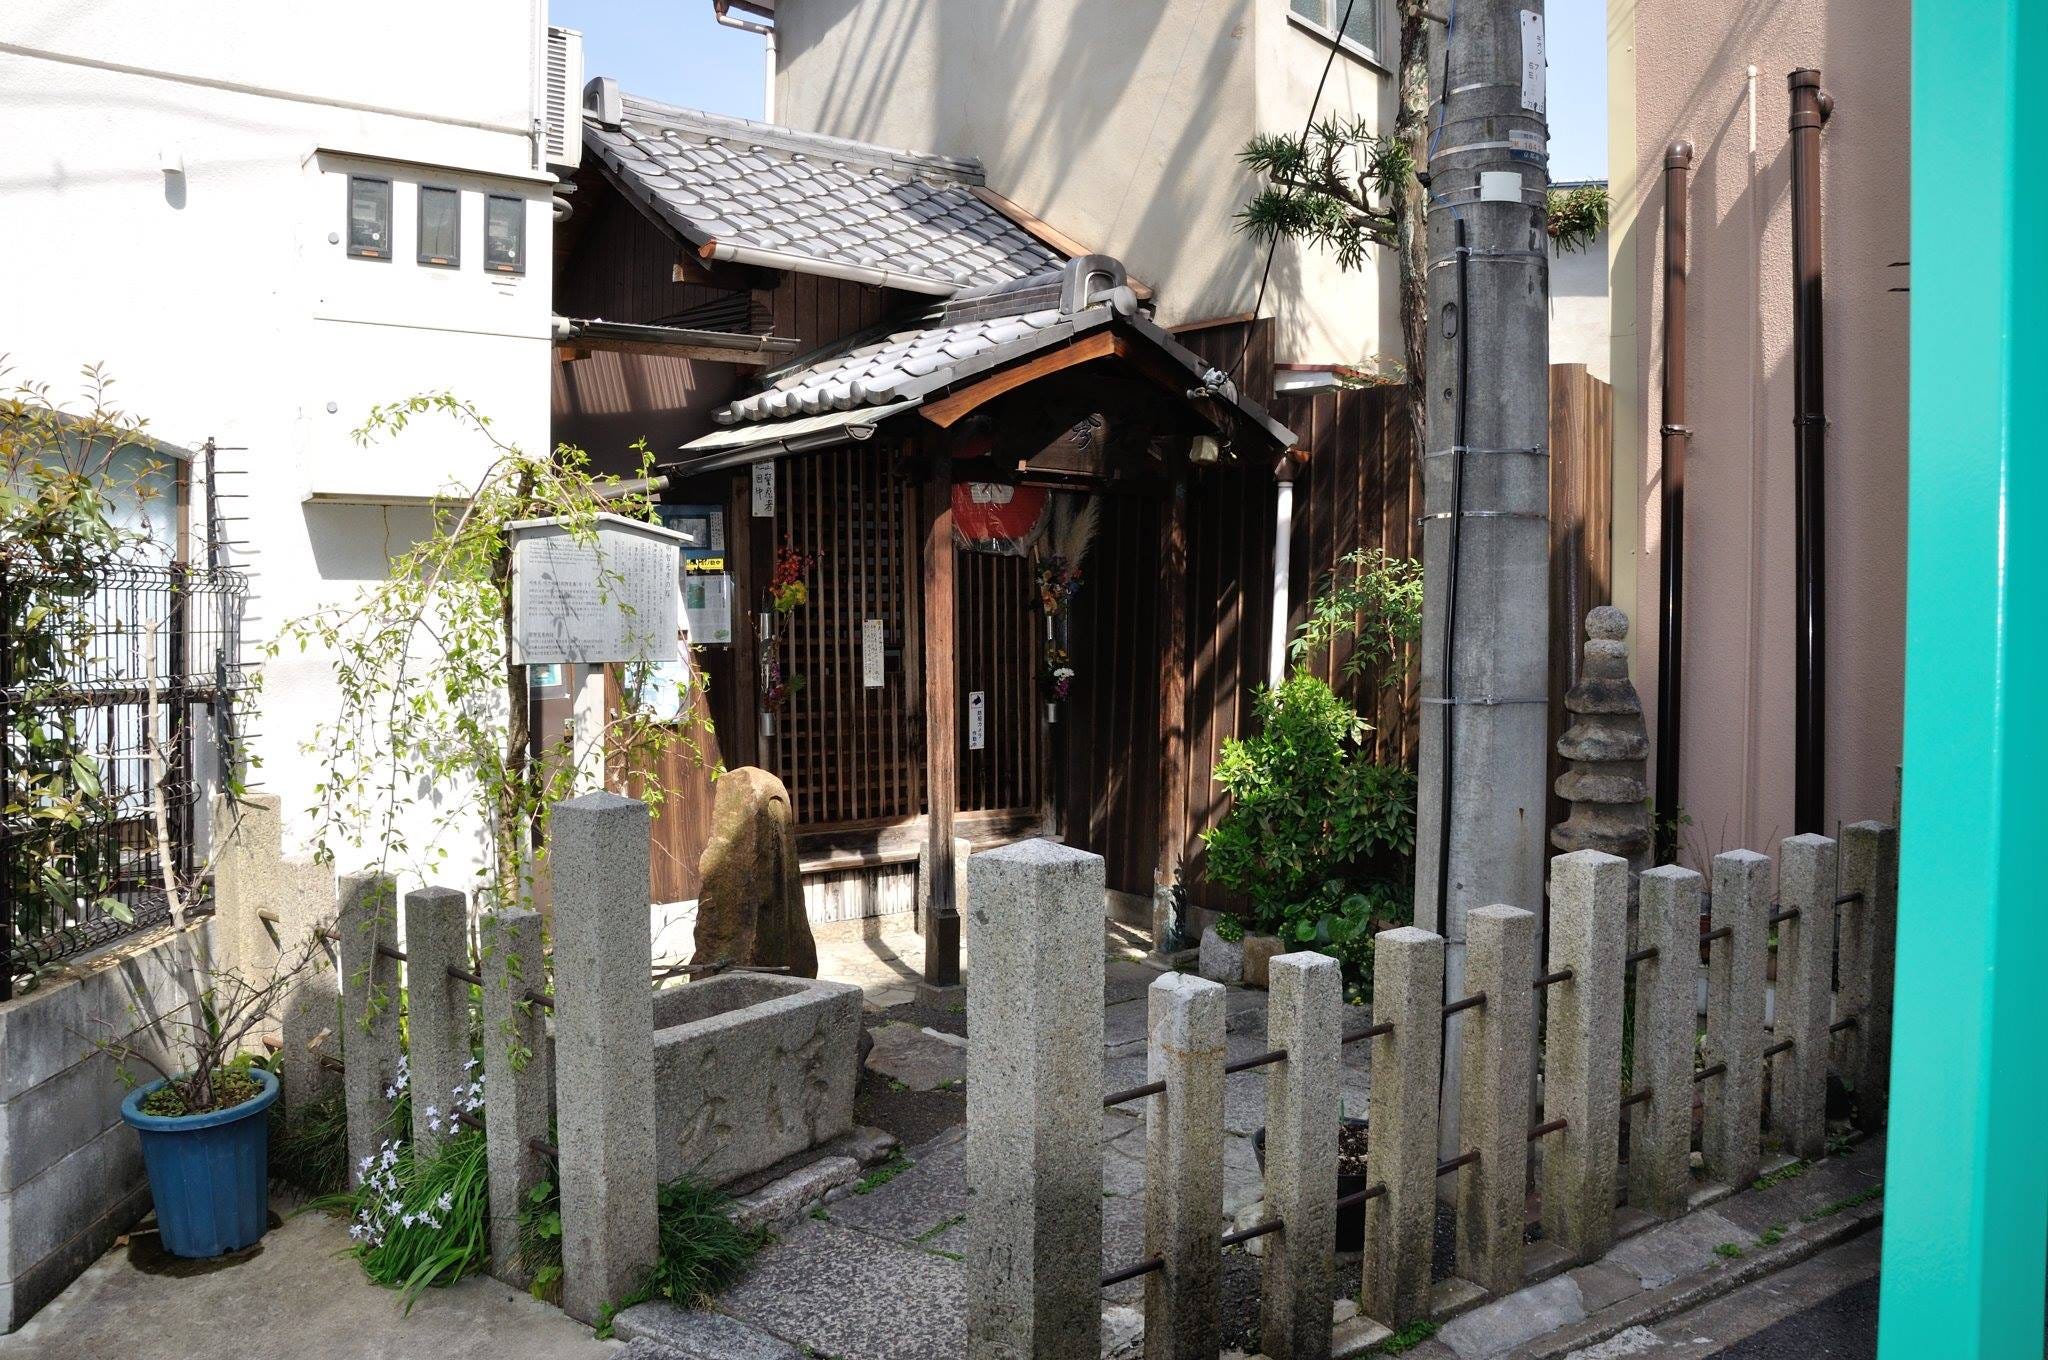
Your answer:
<point x="1869" y="945"/>
<point x="1034" y="1104"/>
<point x="1667" y="1011"/>
<point x="1304" y="1016"/>
<point x="1582" y="1050"/>
<point x="604" y="1049"/>
<point x="1184" y="1169"/>
<point x="437" y="1013"/>
<point x="310" y="1012"/>
<point x="1731" y="1134"/>
<point x="519" y="1080"/>
<point x="369" y="1003"/>
<point x="1493" y="1096"/>
<point x="1407" y="989"/>
<point x="1805" y="997"/>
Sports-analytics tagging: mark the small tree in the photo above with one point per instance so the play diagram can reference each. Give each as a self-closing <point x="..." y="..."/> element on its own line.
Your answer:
<point x="1375" y="598"/>
<point x="433" y="709"/>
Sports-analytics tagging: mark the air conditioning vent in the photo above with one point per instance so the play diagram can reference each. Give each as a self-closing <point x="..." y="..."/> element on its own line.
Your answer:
<point x="561" y="97"/>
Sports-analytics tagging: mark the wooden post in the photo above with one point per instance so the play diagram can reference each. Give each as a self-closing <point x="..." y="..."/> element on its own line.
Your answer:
<point x="941" y="755"/>
<point x="1173" y="681"/>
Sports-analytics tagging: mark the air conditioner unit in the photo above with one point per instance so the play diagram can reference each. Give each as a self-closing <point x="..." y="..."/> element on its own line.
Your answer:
<point x="561" y="98"/>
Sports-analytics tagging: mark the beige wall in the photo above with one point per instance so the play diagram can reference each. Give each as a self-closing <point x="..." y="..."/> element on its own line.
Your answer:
<point x="1580" y="309"/>
<point x="1688" y="80"/>
<point x="1118" y="123"/>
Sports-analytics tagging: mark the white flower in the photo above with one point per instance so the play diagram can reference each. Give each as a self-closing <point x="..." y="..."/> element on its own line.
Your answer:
<point x="446" y="1203"/>
<point x="365" y="1164"/>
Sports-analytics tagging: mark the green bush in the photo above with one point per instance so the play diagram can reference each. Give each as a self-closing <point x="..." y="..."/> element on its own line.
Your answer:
<point x="1318" y="837"/>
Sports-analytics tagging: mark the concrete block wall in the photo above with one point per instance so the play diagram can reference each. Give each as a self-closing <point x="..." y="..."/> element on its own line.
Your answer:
<point x="71" y="1177"/>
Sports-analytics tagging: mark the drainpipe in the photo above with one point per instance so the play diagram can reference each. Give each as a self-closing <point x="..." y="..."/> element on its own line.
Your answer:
<point x="766" y="9"/>
<point x="1810" y="109"/>
<point x="1283" y="551"/>
<point x="1675" y="442"/>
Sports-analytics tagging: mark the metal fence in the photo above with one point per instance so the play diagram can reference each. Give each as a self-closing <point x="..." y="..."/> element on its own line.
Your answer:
<point x="117" y="708"/>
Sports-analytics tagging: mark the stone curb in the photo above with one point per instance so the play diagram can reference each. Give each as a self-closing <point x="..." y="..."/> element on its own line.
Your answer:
<point x="1682" y="1295"/>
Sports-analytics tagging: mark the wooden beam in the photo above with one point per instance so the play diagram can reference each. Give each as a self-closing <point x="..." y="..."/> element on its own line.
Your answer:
<point x="585" y="345"/>
<point x="1044" y="231"/>
<point x="941" y="754"/>
<point x="1173" y="681"/>
<point x="948" y="410"/>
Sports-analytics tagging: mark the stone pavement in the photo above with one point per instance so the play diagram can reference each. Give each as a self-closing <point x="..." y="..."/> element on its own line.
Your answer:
<point x="874" y="1272"/>
<point x="290" y="1297"/>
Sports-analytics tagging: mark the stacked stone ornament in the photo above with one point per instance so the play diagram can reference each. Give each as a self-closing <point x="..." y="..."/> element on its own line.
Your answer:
<point x="1607" y="747"/>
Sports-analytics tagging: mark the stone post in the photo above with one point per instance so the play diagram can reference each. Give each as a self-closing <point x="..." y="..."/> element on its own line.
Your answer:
<point x="1184" y="1169"/>
<point x="519" y="1079"/>
<point x="1582" y="1050"/>
<point x="1407" y="989"/>
<point x="248" y="864"/>
<point x="1806" y="963"/>
<point x="437" y="1012"/>
<point x="1493" y="1096"/>
<point x="1731" y="1136"/>
<point x="1667" y="1010"/>
<point x="604" y="1049"/>
<point x="1869" y="943"/>
<point x="1606" y="747"/>
<point x="311" y="1020"/>
<point x="1304" y="1015"/>
<point x="369" y="997"/>
<point x="1034" y="1104"/>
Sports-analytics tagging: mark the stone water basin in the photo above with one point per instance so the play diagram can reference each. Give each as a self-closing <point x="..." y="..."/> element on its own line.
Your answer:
<point x="750" y="1068"/>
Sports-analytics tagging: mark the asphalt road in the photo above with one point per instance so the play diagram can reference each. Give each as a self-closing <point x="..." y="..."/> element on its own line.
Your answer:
<point x="1842" y="1326"/>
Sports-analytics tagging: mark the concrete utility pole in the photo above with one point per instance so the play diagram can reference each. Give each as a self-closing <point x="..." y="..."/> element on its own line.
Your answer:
<point x="1486" y="491"/>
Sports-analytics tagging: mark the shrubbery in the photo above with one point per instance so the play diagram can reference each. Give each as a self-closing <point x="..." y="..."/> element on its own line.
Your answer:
<point x="1318" y="836"/>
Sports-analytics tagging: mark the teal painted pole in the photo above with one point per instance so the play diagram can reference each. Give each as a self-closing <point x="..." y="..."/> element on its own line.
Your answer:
<point x="1966" y="1188"/>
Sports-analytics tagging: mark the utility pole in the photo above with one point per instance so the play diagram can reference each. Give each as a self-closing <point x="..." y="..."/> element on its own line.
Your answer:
<point x="1480" y="832"/>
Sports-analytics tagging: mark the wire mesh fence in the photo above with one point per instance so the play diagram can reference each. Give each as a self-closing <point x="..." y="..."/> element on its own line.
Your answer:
<point x="117" y="707"/>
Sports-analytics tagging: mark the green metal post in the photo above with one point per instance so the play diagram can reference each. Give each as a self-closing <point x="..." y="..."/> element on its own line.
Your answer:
<point x="1966" y="1189"/>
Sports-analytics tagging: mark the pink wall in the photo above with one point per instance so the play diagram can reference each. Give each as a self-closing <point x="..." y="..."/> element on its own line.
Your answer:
<point x="1690" y="82"/>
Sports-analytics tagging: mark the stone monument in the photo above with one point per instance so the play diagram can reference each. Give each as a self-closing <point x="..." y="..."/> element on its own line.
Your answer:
<point x="1607" y="747"/>
<point x="750" y="909"/>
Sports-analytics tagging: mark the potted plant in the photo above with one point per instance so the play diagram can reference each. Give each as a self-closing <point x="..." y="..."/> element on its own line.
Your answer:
<point x="205" y="1127"/>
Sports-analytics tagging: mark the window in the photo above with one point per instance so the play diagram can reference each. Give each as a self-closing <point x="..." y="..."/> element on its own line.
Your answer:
<point x="369" y="217"/>
<point x="504" y="235"/>
<point x="1361" y="27"/>
<point x="440" y="227"/>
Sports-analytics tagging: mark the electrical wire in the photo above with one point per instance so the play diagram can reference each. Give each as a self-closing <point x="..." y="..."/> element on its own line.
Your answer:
<point x="1273" y="245"/>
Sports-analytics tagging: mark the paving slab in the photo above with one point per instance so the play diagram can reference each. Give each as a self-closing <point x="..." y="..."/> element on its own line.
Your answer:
<point x="921" y="1059"/>
<point x="1522" y="1316"/>
<point x="913" y="1205"/>
<point x="1680" y="1247"/>
<point x="1601" y="1285"/>
<point x="674" y="1333"/>
<point x="839" y="1291"/>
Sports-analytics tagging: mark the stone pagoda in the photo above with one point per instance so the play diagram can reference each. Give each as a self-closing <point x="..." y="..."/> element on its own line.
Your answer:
<point x="1607" y="747"/>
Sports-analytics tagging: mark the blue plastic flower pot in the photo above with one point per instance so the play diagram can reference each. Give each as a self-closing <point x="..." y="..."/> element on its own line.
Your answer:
<point x="209" y="1173"/>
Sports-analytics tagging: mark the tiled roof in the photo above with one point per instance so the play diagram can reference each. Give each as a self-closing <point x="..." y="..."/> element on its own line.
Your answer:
<point x="905" y="364"/>
<point x="770" y="195"/>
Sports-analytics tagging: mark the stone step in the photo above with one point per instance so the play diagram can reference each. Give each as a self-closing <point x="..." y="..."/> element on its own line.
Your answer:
<point x="662" y="1331"/>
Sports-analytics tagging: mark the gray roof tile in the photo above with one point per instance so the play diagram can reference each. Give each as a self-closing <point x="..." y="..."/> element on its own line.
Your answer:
<point x="842" y="204"/>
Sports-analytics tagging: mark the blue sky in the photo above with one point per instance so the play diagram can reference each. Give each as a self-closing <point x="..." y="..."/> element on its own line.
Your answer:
<point x="674" y="51"/>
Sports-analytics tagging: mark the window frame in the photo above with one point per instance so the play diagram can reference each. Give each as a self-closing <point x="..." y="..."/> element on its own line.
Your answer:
<point x="519" y="205"/>
<point x="1326" y="33"/>
<point x="421" y="254"/>
<point x="348" y="236"/>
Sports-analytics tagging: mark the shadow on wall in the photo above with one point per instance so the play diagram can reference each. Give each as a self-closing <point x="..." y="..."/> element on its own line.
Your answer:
<point x="354" y="542"/>
<point x="605" y="402"/>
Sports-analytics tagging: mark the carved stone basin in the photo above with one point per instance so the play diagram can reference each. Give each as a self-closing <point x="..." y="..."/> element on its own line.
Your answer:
<point x="750" y="1068"/>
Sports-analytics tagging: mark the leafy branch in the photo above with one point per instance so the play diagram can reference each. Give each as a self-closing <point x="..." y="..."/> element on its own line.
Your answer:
<point x="1577" y="216"/>
<point x="433" y="711"/>
<point x="1374" y="598"/>
<point x="1336" y="185"/>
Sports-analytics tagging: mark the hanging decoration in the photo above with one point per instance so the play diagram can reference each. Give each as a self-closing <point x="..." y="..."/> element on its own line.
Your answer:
<point x="788" y="591"/>
<point x="999" y="517"/>
<point x="1074" y="521"/>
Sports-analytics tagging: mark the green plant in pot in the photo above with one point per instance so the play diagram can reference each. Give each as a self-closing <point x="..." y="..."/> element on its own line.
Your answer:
<point x="203" y="1121"/>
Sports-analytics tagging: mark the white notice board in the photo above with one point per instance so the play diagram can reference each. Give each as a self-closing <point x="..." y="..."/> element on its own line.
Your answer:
<point x="615" y="599"/>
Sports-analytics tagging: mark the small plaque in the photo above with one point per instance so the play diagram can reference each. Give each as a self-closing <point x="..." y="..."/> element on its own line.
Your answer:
<point x="764" y="490"/>
<point x="977" y="720"/>
<point x="871" y="653"/>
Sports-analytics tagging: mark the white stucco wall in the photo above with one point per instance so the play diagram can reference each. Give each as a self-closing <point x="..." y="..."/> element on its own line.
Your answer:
<point x="1581" y="313"/>
<point x="221" y="297"/>
<point x="1119" y="124"/>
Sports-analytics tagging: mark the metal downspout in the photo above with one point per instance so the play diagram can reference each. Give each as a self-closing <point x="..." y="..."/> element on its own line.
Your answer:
<point x="1810" y="109"/>
<point x="1676" y="440"/>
